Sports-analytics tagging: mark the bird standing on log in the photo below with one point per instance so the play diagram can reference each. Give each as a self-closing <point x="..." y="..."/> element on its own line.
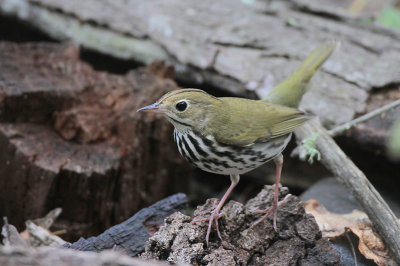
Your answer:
<point x="232" y="136"/>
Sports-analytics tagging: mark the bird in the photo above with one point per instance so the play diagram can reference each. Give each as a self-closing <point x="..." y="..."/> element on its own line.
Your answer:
<point x="232" y="136"/>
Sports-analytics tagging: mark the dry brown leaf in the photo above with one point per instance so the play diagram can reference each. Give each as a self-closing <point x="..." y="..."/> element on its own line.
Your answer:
<point x="371" y="244"/>
<point x="334" y="225"/>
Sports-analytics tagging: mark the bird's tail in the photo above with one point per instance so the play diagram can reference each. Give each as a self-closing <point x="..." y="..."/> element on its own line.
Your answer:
<point x="292" y="89"/>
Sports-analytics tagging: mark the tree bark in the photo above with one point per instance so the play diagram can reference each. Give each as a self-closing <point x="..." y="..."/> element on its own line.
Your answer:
<point x="131" y="235"/>
<point x="237" y="47"/>
<point x="242" y="49"/>
<point x="71" y="138"/>
<point x="10" y="256"/>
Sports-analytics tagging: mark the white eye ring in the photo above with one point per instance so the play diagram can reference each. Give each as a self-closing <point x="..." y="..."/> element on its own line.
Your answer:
<point x="181" y="106"/>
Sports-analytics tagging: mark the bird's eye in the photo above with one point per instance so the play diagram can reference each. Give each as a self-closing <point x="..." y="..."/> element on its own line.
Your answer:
<point x="181" y="106"/>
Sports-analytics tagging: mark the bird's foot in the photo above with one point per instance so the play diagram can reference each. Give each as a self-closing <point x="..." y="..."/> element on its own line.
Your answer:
<point x="215" y="215"/>
<point x="268" y="211"/>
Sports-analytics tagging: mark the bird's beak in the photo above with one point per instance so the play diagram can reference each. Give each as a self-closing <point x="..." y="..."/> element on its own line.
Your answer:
<point x="154" y="108"/>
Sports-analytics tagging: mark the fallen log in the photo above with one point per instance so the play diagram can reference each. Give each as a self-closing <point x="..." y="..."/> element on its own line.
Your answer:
<point x="10" y="256"/>
<point x="250" y="50"/>
<point x="130" y="236"/>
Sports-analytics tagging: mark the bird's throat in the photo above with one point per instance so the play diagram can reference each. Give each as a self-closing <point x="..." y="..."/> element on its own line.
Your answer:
<point x="179" y="125"/>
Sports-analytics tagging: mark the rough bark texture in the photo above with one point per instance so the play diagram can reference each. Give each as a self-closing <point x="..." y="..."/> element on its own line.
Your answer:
<point x="130" y="236"/>
<point x="66" y="128"/>
<point x="11" y="256"/>
<point x="298" y="241"/>
<point x="231" y="45"/>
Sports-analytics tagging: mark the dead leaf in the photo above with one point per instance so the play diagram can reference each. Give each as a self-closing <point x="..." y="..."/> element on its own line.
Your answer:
<point x="334" y="225"/>
<point x="371" y="244"/>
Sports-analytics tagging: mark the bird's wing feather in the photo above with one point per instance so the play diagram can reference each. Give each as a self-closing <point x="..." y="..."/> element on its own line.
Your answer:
<point x="244" y="122"/>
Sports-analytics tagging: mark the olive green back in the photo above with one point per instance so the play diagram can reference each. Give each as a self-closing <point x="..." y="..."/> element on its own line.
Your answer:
<point x="242" y="121"/>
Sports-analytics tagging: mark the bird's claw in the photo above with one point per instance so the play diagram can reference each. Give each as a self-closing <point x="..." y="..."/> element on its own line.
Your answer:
<point x="215" y="215"/>
<point x="267" y="212"/>
<point x="273" y="209"/>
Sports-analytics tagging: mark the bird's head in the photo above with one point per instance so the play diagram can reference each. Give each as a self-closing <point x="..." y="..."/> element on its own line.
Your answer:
<point x="186" y="108"/>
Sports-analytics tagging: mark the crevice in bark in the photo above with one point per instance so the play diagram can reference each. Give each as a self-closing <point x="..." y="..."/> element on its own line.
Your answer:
<point x="104" y="62"/>
<point x="15" y="30"/>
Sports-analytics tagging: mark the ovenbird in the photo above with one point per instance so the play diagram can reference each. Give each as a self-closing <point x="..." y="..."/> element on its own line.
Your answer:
<point x="232" y="136"/>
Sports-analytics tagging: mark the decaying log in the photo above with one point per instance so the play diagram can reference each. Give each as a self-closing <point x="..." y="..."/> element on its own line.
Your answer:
<point x="298" y="241"/>
<point x="11" y="256"/>
<point x="71" y="138"/>
<point x="357" y="183"/>
<point x="130" y="236"/>
<point x="239" y="47"/>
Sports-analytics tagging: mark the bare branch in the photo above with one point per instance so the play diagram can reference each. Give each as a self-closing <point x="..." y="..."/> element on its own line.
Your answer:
<point x="340" y="129"/>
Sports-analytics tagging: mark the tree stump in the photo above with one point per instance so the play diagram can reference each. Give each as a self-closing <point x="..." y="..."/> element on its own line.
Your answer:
<point x="71" y="138"/>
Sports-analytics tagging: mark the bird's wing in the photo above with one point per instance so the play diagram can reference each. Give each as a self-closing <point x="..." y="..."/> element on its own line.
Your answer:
<point x="244" y="122"/>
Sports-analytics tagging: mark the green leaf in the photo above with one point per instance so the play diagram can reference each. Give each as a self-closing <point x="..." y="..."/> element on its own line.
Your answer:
<point x="390" y="17"/>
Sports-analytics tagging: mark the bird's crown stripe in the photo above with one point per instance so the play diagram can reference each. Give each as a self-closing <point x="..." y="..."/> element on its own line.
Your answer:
<point x="176" y="92"/>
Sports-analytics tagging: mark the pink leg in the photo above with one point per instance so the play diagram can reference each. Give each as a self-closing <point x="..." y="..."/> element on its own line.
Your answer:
<point x="278" y="164"/>
<point x="215" y="215"/>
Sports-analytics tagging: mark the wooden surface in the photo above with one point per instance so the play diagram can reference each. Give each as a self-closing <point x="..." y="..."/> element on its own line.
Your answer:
<point x="241" y="47"/>
<point x="71" y="138"/>
<point x="130" y="236"/>
<point x="10" y="256"/>
<point x="230" y="44"/>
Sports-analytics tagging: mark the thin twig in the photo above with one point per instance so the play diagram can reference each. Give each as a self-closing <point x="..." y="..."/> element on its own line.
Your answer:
<point x="353" y="250"/>
<point x="340" y="129"/>
<point x="7" y="228"/>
